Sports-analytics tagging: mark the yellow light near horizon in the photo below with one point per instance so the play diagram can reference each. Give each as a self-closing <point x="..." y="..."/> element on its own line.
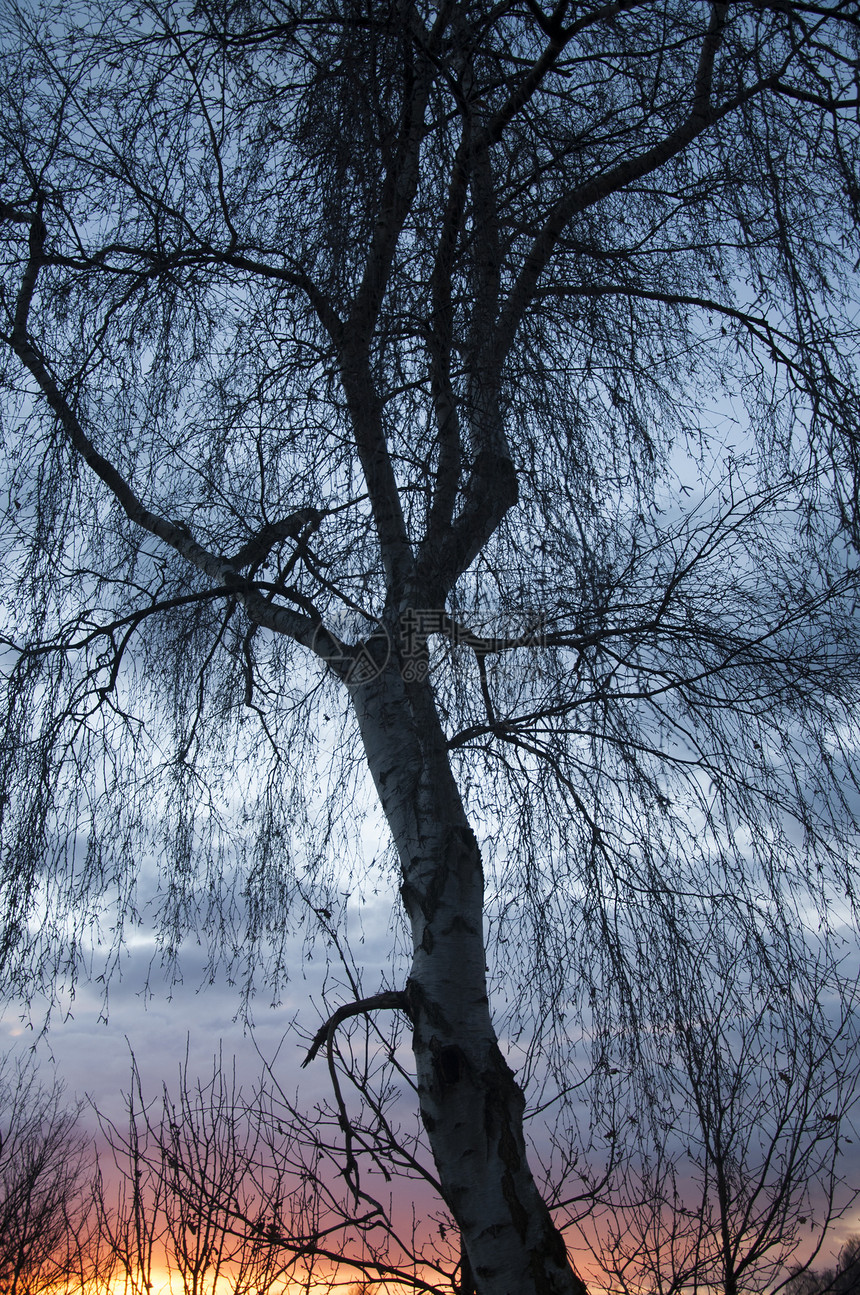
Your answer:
<point x="166" y="1281"/>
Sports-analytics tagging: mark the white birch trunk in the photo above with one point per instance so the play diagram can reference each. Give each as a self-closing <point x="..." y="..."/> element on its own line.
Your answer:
<point x="471" y="1105"/>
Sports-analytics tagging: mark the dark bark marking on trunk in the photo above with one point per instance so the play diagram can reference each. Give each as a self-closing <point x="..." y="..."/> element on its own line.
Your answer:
<point x="503" y="1092"/>
<point x="419" y="1003"/>
<point x="410" y="897"/>
<point x="551" y="1245"/>
<point x="503" y="1096"/>
<point x="519" y="1214"/>
<point x="459" y="923"/>
<point x="460" y="855"/>
<point x="449" y="1061"/>
<point x="429" y="899"/>
<point x="462" y="844"/>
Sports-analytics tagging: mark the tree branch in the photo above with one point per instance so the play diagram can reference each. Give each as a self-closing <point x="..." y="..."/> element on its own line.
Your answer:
<point x="395" y="999"/>
<point x="699" y="118"/>
<point x="176" y="534"/>
<point x="258" y="547"/>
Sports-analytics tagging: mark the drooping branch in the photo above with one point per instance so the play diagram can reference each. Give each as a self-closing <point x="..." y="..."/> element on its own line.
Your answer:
<point x="177" y="534"/>
<point x="393" y="999"/>
<point x="396" y="999"/>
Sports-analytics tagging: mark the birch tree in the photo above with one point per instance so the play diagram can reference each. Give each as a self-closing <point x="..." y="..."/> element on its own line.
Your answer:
<point x="463" y="395"/>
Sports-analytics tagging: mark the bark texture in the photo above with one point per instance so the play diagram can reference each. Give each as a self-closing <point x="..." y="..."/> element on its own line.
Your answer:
<point x="471" y="1104"/>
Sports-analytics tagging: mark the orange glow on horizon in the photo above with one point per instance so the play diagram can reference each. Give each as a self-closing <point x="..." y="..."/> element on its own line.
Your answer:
<point x="165" y="1280"/>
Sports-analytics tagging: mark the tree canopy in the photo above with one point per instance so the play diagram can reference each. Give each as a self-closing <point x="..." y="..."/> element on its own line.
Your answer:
<point x="462" y="393"/>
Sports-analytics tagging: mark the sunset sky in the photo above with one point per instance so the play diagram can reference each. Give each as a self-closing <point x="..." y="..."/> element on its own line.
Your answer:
<point x="93" y="1056"/>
